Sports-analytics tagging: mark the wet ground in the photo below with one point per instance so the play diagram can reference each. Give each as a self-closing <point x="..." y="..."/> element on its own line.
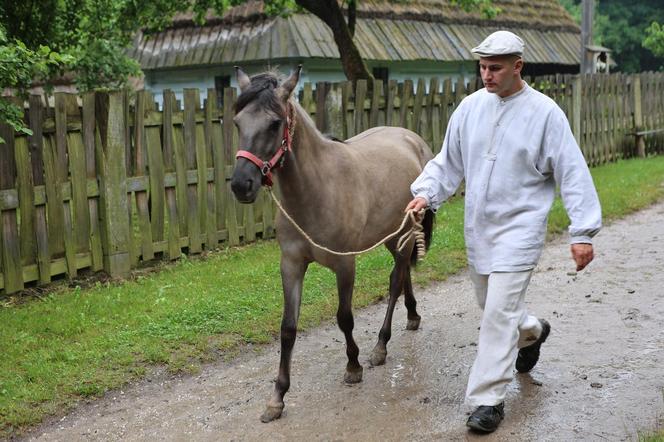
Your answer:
<point x="600" y="377"/>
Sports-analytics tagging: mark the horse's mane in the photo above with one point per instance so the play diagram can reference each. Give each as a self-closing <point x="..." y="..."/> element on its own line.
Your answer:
<point x="261" y="88"/>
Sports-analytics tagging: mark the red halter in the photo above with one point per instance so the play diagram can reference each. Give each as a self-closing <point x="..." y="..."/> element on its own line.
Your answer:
<point x="277" y="160"/>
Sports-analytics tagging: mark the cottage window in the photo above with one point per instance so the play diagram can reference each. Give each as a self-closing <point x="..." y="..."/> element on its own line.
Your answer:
<point x="221" y="82"/>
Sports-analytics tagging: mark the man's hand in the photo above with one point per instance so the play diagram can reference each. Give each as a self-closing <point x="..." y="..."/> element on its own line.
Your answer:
<point x="582" y="254"/>
<point x="416" y="204"/>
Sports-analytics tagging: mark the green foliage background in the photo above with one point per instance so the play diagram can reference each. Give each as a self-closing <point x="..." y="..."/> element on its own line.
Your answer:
<point x="625" y="27"/>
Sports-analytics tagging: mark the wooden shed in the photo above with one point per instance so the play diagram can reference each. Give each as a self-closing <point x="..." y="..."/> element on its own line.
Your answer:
<point x="398" y="39"/>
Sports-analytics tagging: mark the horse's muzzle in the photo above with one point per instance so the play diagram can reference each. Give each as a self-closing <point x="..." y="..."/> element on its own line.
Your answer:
<point x="244" y="186"/>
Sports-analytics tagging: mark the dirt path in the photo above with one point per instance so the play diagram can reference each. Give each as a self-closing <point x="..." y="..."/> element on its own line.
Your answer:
<point x="601" y="376"/>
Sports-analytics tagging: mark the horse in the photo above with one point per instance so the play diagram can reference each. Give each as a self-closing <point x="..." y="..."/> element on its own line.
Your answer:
<point x="343" y="195"/>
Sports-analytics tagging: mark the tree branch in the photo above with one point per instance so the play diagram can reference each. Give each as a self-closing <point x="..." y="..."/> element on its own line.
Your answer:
<point x="332" y="15"/>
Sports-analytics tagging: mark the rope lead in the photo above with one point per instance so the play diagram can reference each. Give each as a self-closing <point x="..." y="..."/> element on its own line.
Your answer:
<point x="416" y="231"/>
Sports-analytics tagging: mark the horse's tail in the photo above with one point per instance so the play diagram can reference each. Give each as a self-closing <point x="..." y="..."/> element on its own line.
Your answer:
<point x="427" y="228"/>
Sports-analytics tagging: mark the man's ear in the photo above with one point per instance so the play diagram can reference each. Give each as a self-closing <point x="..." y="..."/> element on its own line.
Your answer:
<point x="518" y="65"/>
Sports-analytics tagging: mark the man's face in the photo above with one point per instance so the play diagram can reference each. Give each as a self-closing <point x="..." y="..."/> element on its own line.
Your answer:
<point x="501" y="74"/>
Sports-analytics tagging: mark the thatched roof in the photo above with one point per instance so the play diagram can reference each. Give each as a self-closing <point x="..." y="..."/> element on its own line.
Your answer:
<point x="386" y="30"/>
<point x="535" y="14"/>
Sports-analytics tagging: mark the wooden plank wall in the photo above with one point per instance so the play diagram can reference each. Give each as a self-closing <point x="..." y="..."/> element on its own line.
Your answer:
<point x="109" y="181"/>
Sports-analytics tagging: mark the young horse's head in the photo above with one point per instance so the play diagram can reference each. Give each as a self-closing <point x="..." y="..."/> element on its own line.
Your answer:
<point x="261" y="116"/>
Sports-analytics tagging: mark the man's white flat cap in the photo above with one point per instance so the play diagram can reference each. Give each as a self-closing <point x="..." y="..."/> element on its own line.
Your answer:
<point x="500" y="43"/>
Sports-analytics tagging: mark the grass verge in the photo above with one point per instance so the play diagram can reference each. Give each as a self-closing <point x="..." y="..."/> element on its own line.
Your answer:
<point x="652" y="437"/>
<point x="78" y="343"/>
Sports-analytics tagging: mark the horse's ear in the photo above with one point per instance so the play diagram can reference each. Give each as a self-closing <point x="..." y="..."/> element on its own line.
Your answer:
<point x="242" y="79"/>
<point x="286" y="88"/>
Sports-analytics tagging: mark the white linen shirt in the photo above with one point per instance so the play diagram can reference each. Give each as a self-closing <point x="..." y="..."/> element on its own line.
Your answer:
<point x="511" y="151"/>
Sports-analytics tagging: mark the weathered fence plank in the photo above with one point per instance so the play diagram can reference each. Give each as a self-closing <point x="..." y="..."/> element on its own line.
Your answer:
<point x="25" y="188"/>
<point x="638" y="116"/>
<point x="392" y="88"/>
<point x="140" y="169"/>
<point x="229" y="149"/>
<point x="79" y="192"/>
<point x="322" y="89"/>
<point x="36" y="141"/>
<point x="360" y="95"/>
<point x="210" y="220"/>
<point x="430" y="105"/>
<point x="180" y="172"/>
<point x="346" y="90"/>
<point x="418" y="103"/>
<point x="404" y="111"/>
<point x="219" y="161"/>
<point x="89" y="139"/>
<point x="157" y="182"/>
<point x="191" y="105"/>
<point x="62" y="101"/>
<point x="110" y="112"/>
<point x="446" y="106"/>
<point x="9" y="235"/>
<point x="169" y="167"/>
<point x="307" y="98"/>
<point x="374" y="111"/>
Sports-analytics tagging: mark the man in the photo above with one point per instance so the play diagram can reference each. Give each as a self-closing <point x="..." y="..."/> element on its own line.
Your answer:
<point x="512" y="145"/>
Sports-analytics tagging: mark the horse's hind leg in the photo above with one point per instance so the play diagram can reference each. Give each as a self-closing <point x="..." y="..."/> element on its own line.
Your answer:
<point x="345" y="281"/>
<point x="397" y="278"/>
<point x="292" y="275"/>
<point x="411" y="304"/>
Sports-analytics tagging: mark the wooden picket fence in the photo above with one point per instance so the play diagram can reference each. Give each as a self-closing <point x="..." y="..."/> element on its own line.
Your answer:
<point x="108" y="181"/>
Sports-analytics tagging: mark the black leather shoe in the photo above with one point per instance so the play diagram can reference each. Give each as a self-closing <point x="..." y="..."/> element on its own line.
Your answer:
<point x="486" y="418"/>
<point x="528" y="356"/>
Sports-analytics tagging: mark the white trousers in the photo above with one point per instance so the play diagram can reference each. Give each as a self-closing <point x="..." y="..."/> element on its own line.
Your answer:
<point x="505" y="327"/>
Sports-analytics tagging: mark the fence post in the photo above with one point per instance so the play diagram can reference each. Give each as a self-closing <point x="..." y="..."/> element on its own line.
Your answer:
<point x="110" y="111"/>
<point x="576" y="108"/>
<point x="638" y="117"/>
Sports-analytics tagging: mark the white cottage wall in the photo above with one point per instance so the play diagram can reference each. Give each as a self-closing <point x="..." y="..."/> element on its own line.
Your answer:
<point x="312" y="71"/>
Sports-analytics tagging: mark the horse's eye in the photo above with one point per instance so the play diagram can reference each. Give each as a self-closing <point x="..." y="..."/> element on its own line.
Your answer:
<point x="274" y="125"/>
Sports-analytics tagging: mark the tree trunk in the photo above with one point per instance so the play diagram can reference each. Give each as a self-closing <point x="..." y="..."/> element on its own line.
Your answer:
<point x="331" y="14"/>
<point x="352" y="16"/>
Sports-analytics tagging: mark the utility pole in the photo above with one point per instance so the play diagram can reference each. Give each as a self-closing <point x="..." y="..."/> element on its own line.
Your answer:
<point x="586" y="35"/>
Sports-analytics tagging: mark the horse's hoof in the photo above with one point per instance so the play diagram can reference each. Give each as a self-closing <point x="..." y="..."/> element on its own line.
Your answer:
<point x="353" y="377"/>
<point x="413" y="324"/>
<point x="377" y="357"/>
<point x="271" y="413"/>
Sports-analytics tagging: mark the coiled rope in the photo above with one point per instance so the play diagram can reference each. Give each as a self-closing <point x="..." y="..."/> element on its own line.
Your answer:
<point x="416" y="230"/>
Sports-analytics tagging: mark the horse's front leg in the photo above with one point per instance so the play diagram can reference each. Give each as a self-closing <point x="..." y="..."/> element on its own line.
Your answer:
<point x="345" y="272"/>
<point x="397" y="277"/>
<point x="292" y="275"/>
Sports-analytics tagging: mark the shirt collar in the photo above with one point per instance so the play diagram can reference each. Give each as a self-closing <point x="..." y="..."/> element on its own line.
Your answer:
<point x="516" y="94"/>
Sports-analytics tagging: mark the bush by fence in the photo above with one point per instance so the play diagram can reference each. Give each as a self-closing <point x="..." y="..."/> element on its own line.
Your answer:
<point x="107" y="180"/>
